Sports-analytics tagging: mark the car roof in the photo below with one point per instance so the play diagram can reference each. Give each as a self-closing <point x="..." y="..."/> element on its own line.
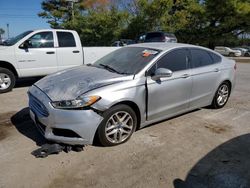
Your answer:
<point x="155" y="32"/>
<point x="222" y="47"/>
<point x="42" y="30"/>
<point x="162" y="45"/>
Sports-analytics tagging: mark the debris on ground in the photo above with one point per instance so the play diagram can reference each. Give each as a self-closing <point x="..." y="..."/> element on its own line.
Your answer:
<point x="50" y="149"/>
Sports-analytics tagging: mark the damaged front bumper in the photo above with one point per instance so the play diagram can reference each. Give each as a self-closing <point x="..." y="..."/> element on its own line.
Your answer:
<point x="74" y="127"/>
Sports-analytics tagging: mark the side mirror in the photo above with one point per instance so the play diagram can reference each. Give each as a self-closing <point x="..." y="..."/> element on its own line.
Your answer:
<point x="162" y="73"/>
<point x="25" y="45"/>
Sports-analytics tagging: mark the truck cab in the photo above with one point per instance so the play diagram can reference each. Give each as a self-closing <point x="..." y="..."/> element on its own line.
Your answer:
<point x="38" y="53"/>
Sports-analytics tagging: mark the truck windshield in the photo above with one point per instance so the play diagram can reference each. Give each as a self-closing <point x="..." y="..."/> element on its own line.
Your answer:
<point x="14" y="40"/>
<point x="127" y="60"/>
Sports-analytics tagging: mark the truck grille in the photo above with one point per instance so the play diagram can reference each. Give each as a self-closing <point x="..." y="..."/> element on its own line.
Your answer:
<point x="37" y="107"/>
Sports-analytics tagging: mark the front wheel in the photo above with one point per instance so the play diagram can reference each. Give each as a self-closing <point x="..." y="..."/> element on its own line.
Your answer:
<point x="7" y="80"/>
<point x="221" y="96"/>
<point x="118" y="125"/>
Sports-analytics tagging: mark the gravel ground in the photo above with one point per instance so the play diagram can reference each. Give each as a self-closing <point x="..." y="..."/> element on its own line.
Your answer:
<point x="204" y="149"/>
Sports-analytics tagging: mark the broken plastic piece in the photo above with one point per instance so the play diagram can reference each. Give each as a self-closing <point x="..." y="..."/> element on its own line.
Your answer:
<point x="77" y="148"/>
<point x="47" y="149"/>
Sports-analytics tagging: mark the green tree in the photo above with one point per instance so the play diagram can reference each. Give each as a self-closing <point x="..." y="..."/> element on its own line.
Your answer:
<point x="204" y="22"/>
<point x="145" y="16"/>
<point x="216" y="21"/>
<point x="58" y="12"/>
<point x="98" y="26"/>
<point x="165" y="15"/>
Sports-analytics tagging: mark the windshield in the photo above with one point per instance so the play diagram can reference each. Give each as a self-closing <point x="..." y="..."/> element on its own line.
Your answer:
<point x="14" y="40"/>
<point x="127" y="60"/>
<point x="170" y="35"/>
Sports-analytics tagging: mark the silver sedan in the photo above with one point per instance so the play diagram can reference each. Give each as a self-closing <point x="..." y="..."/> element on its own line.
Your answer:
<point x="128" y="89"/>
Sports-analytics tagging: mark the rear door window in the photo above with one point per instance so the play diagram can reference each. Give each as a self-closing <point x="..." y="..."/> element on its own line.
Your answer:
<point x="66" y="39"/>
<point x="216" y="58"/>
<point x="200" y="58"/>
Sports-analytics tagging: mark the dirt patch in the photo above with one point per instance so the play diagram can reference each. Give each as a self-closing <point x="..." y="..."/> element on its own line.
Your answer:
<point x="3" y="134"/>
<point x="5" y="119"/>
<point x="5" y="124"/>
<point x="216" y="129"/>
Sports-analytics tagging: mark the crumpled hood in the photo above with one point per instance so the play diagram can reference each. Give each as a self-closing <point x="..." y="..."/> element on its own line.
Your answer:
<point x="69" y="84"/>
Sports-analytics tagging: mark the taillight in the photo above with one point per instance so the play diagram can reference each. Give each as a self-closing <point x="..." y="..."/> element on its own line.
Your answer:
<point x="163" y="39"/>
<point x="235" y="66"/>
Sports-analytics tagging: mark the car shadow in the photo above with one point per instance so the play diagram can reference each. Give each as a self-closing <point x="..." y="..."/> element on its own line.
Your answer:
<point x="24" y="124"/>
<point x="96" y="141"/>
<point x="26" y="82"/>
<point x="227" y="166"/>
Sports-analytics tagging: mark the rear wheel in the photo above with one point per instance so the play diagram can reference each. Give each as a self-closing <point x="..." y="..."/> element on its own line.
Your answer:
<point x="118" y="125"/>
<point x="247" y="54"/>
<point x="7" y="80"/>
<point x="221" y="96"/>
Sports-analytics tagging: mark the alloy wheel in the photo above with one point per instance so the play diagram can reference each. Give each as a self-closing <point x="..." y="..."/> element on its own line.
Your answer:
<point x="222" y="95"/>
<point x="119" y="127"/>
<point x="5" y="81"/>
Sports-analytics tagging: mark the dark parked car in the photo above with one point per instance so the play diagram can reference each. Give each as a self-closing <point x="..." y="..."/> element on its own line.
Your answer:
<point x="160" y="37"/>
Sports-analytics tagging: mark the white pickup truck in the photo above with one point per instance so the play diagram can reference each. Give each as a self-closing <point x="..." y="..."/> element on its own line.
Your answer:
<point x="42" y="52"/>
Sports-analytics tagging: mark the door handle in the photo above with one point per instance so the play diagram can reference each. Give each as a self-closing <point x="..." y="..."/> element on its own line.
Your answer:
<point x="216" y="70"/>
<point x="76" y="51"/>
<point x="185" y="76"/>
<point x="50" y="52"/>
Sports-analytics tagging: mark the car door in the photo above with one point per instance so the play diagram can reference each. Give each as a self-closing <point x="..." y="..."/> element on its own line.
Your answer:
<point x="69" y="52"/>
<point x="39" y="56"/>
<point x="169" y="95"/>
<point x="206" y="74"/>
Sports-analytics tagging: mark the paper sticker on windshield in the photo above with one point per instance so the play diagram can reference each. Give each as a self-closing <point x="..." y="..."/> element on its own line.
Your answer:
<point x="147" y="53"/>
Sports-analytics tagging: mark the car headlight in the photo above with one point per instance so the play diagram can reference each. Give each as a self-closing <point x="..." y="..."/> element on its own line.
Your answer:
<point x="80" y="102"/>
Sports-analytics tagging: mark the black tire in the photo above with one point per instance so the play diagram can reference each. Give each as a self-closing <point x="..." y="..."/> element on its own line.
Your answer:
<point x="101" y="132"/>
<point x="12" y="80"/>
<point x="231" y="54"/>
<point x="215" y="104"/>
<point x="247" y="54"/>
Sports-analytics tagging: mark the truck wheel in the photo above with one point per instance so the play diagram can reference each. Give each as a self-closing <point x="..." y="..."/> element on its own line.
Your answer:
<point x="7" y="80"/>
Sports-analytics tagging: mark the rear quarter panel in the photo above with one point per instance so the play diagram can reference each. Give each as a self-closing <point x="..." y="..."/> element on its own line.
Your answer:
<point x="228" y="71"/>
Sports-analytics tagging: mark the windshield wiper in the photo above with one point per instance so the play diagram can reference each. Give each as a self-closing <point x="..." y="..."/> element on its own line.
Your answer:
<point x="107" y="67"/>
